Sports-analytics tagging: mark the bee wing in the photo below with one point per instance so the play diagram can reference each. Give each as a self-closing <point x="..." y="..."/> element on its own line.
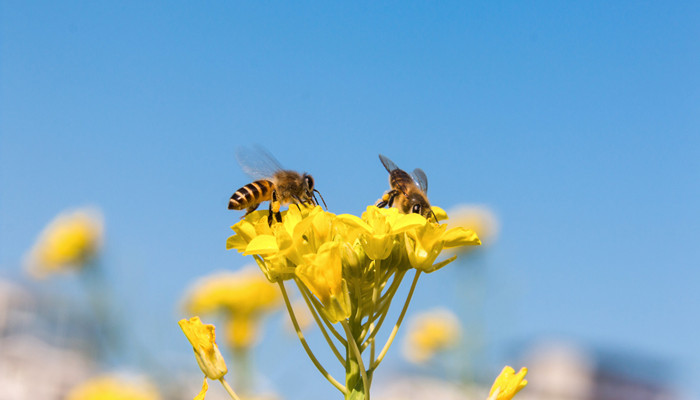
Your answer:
<point x="388" y="164"/>
<point x="257" y="162"/>
<point x="421" y="179"/>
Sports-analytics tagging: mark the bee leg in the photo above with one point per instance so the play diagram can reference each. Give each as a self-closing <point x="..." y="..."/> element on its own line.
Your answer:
<point x="298" y="201"/>
<point x="274" y="209"/>
<point x="387" y="199"/>
<point x="250" y="209"/>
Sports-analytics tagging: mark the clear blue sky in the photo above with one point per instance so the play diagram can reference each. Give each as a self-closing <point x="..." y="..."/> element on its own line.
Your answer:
<point x="578" y="123"/>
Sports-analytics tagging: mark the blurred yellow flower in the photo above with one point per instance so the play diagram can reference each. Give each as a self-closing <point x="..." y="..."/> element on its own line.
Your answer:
<point x="114" y="387"/>
<point x="202" y="337"/>
<point x="242" y="298"/>
<point x="68" y="242"/>
<point x="429" y="333"/>
<point x="241" y="292"/>
<point x="479" y="219"/>
<point x="508" y="383"/>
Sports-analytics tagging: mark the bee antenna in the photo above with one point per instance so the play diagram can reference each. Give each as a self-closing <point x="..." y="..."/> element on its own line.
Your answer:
<point x="434" y="215"/>
<point x="319" y="195"/>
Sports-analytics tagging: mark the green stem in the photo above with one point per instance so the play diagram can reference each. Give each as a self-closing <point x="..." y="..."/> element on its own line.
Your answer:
<point x="228" y="388"/>
<point x="318" y="365"/>
<point x="332" y="345"/>
<point x="318" y="307"/>
<point x="380" y="357"/>
<point x="384" y="309"/>
<point x="355" y="365"/>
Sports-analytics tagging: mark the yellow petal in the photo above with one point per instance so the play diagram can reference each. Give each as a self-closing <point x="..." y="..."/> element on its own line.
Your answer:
<point x="508" y="383"/>
<point x="459" y="236"/>
<point x="203" y="392"/>
<point x="439" y="213"/>
<point x="405" y="222"/>
<point x="263" y="245"/>
<point x="236" y="242"/>
<point x="355" y="222"/>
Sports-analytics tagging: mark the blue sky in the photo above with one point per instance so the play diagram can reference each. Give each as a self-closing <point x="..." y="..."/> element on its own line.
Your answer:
<point x="578" y="124"/>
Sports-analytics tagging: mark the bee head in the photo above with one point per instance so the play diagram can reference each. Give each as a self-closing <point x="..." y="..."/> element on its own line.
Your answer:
<point x="419" y="205"/>
<point x="309" y="181"/>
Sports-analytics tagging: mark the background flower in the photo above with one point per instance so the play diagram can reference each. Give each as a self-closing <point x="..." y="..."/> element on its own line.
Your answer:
<point x="429" y="333"/>
<point x="69" y="242"/>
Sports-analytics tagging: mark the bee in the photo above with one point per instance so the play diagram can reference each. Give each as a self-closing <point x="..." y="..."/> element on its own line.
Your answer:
<point x="273" y="183"/>
<point x="408" y="191"/>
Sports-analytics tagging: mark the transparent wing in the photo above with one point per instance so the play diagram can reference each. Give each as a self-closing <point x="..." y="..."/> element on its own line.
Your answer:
<point x="388" y="164"/>
<point x="257" y="162"/>
<point x="421" y="179"/>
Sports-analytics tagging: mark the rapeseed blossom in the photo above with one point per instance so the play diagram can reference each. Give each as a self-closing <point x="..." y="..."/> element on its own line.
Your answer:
<point x="348" y="270"/>
<point x="203" y="340"/>
<point x="69" y="242"/>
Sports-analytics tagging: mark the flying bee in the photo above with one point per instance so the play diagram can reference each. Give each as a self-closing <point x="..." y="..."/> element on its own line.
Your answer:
<point x="272" y="183"/>
<point x="408" y="191"/>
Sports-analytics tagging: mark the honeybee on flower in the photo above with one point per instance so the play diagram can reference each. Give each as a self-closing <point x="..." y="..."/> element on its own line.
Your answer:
<point x="408" y="193"/>
<point x="272" y="183"/>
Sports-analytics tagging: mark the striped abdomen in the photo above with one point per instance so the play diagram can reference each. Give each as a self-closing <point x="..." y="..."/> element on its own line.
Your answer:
<point x="400" y="180"/>
<point x="251" y="194"/>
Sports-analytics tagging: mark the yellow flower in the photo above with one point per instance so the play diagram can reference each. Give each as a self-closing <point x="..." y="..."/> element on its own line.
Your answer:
<point x="114" y="387"/>
<point x="425" y="243"/>
<point x="429" y="333"/>
<point x="243" y="331"/>
<point x="507" y="384"/>
<point x="68" y="242"/>
<point x="241" y="292"/>
<point x="277" y="248"/>
<point x="379" y="228"/>
<point x="202" y="338"/>
<point x="322" y="273"/>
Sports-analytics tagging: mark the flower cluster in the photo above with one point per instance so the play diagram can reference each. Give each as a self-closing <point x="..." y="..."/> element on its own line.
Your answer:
<point x="343" y="259"/>
<point x="348" y="269"/>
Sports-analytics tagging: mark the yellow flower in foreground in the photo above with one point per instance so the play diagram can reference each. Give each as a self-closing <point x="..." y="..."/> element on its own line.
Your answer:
<point x="507" y="384"/>
<point x="323" y="275"/>
<point x="424" y="244"/>
<point x="202" y="338"/>
<point x="68" y="242"/>
<point x="429" y="333"/>
<point x="113" y="387"/>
